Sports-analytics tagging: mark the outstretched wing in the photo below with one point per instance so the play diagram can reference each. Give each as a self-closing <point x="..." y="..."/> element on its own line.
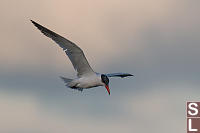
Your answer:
<point x="122" y="75"/>
<point x="74" y="53"/>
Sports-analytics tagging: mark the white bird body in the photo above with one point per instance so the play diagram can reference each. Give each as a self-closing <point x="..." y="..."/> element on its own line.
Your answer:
<point x="86" y="77"/>
<point x="86" y="82"/>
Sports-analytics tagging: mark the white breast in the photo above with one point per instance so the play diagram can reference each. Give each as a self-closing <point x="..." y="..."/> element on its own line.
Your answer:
<point x="89" y="81"/>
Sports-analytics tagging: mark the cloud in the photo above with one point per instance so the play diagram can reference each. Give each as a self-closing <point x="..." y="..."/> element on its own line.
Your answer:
<point x="108" y="30"/>
<point x="155" y="110"/>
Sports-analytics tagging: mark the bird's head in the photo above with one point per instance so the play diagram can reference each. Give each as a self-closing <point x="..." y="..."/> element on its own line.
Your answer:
<point x="105" y="80"/>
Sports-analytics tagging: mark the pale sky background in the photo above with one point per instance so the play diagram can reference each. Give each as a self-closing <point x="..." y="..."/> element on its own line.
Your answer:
<point x="156" y="40"/>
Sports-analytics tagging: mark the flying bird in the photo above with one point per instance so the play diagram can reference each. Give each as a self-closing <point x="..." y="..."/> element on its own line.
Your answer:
<point x="86" y="76"/>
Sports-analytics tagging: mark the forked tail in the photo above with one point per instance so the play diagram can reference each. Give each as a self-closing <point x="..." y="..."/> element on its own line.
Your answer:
<point x="66" y="80"/>
<point x="70" y="84"/>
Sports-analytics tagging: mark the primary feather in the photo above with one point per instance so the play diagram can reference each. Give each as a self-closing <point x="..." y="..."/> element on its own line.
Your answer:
<point x="74" y="53"/>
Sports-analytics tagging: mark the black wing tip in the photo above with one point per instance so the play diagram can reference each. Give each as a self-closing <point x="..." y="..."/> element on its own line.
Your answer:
<point x="131" y="75"/>
<point x="36" y="24"/>
<point x="126" y="75"/>
<point x="45" y="30"/>
<point x="33" y="22"/>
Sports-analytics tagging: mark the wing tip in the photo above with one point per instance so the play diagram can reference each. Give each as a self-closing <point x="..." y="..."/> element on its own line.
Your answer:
<point x="36" y="24"/>
<point x="131" y="75"/>
<point x="33" y="22"/>
<point x="126" y="75"/>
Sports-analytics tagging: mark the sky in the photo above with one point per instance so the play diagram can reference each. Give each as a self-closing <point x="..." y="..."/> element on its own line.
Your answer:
<point x="156" y="40"/>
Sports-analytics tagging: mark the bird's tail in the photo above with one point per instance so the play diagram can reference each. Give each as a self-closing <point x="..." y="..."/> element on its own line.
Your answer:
<point x="66" y="80"/>
<point x="70" y="84"/>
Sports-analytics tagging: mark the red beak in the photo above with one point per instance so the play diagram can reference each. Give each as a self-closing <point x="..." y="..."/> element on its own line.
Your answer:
<point x="107" y="87"/>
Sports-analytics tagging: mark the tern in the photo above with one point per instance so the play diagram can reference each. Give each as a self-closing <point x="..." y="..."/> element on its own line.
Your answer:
<point x="86" y="76"/>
